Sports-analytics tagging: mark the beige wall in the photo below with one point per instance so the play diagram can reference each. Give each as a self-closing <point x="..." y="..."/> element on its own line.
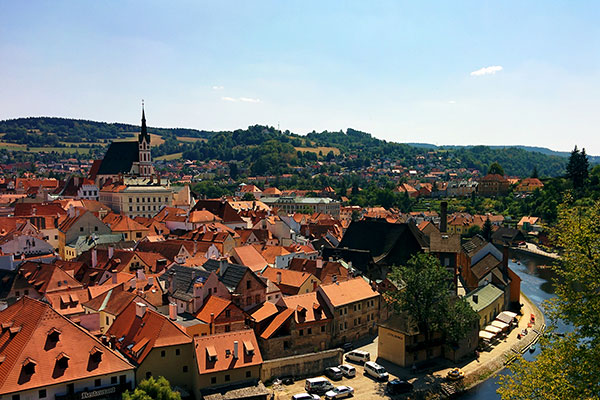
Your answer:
<point x="391" y="346"/>
<point x="488" y="314"/>
<point x="355" y="320"/>
<point x="301" y="366"/>
<point x="170" y="366"/>
<point x="204" y="381"/>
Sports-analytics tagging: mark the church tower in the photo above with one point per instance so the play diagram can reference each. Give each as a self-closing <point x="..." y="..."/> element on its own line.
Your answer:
<point x="145" y="158"/>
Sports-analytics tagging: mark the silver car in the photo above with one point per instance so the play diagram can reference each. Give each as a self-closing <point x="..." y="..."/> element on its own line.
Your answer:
<point x="305" y="396"/>
<point x="339" y="393"/>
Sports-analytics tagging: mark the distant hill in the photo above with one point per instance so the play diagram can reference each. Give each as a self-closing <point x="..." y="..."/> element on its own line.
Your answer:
<point x="264" y="149"/>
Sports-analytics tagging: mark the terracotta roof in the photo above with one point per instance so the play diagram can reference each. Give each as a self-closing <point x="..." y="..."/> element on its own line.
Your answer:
<point x="113" y="301"/>
<point x="219" y="345"/>
<point x="266" y="310"/>
<point x="270" y="253"/>
<point x="346" y="292"/>
<point x="203" y="216"/>
<point x="30" y="344"/>
<point x="153" y="328"/>
<point x="277" y="323"/>
<point x="213" y="305"/>
<point x="26" y="209"/>
<point x="68" y="302"/>
<point x="47" y="277"/>
<point x="250" y="257"/>
<point x="291" y="281"/>
<point x="122" y="223"/>
<point x="306" y="308"/>
<point x="325" y="274"/>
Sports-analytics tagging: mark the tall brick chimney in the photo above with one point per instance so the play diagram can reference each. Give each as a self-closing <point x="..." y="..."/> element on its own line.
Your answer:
<point x="443" y="216"/>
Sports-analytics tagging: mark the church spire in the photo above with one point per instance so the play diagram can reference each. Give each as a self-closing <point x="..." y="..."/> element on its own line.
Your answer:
<point x="144" y="133"/>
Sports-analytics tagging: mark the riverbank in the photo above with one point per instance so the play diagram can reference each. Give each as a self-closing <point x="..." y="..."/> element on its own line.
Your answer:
<point x="494" y="361"/>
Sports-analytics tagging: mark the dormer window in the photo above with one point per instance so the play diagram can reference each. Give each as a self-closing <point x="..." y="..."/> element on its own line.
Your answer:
<point x="62" y="360"/>
<point x="211" y="353"/>
<point x="53" y="335"/>
<point x="96" y="354"/>
<point x="29" y="366"/>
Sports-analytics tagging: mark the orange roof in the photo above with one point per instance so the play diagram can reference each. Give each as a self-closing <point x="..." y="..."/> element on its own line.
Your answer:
<point x="213" y="305"/>
<point x="122" y="223"/>
<point x="277" y="323"/>
<point x="270" y="253"/>
<point x="68" y="302"/>
<point x="156" y="328"/>
<point x="266" y="310"/>
<point x="306" y="307"/>
<point x="346" y="292"/>
<point x="291" y="281"/>
<point x="250" y="257"/>
<point x="203" y="216"/>
<point x="30" y="344"/>
<point x="48" y="277"/>
<point x="211" y="351"/>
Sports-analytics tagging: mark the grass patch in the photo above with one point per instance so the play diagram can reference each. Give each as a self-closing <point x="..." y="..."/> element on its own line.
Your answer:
<point x="321" y="149"/>
<point x="155" y="140"/>
<point x="169" y="157"/>
<point x="191" y="139"/>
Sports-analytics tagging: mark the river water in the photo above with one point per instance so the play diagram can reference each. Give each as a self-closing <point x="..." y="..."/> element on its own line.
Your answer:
<point x="536" y="283"/>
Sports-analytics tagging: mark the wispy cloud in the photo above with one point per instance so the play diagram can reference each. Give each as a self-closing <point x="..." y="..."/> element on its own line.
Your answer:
<point x="242" y="99"/>
<point x="218" y="87"/>
<point x="451" y="102"/>
<point x="487" y="70"/>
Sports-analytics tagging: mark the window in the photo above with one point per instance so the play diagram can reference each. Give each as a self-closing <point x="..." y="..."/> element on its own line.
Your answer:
<point x="131" y="200"/>
<point x="323" y="328"/>
<point x="107" y="321"/>
<point x="16" y="397"/>
<point x="341" y="327"/>
<point x="42" y="394"/>
<point x="359" y="320"/>
<point x="248" y="374"/>
<point x="96" y="228"/>
<point x="71" y="388"/>
<point x="227" y="378"/>
<point x="301" y="332"/>
<point x="248" y="284"/>
<point x="248" y="300"/>
<point x="227" y="328"/>
<point x="177" y="352"/>
<point x="309" y="331"/>
<point x="185" y="368"/>
<point x="162" y="353"/>
<point x="122" y="379"/>
<point x="138" y="235"/>
<point x="213" y="380"/>
<point x="148" y="375"/>
<point x="286" y="345"/>
<point x="227" y="312"/>
<point x="98" y="382"/>
<point x="81" y="229"/>
<point x="113" y="380"/>
<point x="257" y="298"/>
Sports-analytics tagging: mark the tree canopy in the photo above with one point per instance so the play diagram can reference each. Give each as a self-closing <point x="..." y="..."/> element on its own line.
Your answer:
<point x="152" y="389"/>
<point x="578" y="168"/>
<point x="496" y="168"/>
<point x="567" y="367"/>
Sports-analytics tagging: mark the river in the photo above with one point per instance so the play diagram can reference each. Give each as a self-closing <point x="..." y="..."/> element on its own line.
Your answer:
<point x="535" y="284"/>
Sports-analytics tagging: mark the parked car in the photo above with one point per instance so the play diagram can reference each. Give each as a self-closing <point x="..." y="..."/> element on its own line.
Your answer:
<point x="305" y="396"/>
<point x="318" y="385"/>
<point x="347" y="347"/>
<point x="376" y="371"/>
<point x="397" y="386"/>
<point x="348" y="370"/>
<point x="339" y="392"/>
<point x="333" y="373"/>
<point x="358" y="356"/>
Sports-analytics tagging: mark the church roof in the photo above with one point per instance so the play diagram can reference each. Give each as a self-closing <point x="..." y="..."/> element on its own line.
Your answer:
<point x="119" y="158"/>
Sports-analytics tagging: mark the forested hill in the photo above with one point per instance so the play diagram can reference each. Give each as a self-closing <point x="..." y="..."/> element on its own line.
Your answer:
<point x="267" y="150"/>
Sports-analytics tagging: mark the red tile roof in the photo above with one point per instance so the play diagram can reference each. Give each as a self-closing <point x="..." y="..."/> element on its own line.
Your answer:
<point x="277" y="323"/>
<point x="219" y="345"/>
<point x="213" y="305"/>
<point x="30" y="343"/>
<point x="346" y="292"/>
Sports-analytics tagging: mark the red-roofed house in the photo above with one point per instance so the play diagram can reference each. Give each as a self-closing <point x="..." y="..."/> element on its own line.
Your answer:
<point x="222" y="315"/>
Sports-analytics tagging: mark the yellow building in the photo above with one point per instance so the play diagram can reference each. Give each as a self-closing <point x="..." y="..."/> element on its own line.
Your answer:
<point x="136" y="197"/>
<point x="487" y="301"/>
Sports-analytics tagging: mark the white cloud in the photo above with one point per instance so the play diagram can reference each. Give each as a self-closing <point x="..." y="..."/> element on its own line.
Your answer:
<point x="242" y="99"/>
<point x="487" y="70"/>
<point x="452" y="102"/>
<point x="218" y="87"/>
<point x="249" y="100"/>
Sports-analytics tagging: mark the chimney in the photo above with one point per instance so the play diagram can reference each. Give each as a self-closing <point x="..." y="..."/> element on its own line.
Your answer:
<point x="112" y="341"/>
<point x="111" y="252"/>
<point x="150" y="280"/>
<point x="319" y="263"/>
<point x="114" y="276"/>
<point x="505" y="258"/>
<point x="279" y="277"/>
<point x="235" y="349"/>
<point x="212" y="322"/>
<point x="171" y="281"/>
<point x="132" y="284"/>
<point x="140" y="309"/>
<point x="33" y="211"/>
<point x="71" y="211"/>
<point x="94" y="257"/>
<point x="475" y="298"/>
<point x="443" y="216"/>
<point x="173" y="311"/>
<point x="140" y="275"/>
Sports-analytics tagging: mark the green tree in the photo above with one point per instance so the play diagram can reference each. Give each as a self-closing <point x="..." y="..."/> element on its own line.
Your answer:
<point x="428" y="297"/>
<point x="486" y="232"/>
<point x="248" y="197"/>
<point x="567" y="367"/>
<point x="578" y="168"/>
<point x="534" y="173"/>
<point x="496" y="168"/>
<point x="152" y="389"/>
<point x="233" y="170"/>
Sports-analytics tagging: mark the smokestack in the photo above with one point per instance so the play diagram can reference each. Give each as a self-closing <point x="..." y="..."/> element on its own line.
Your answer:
<point x="235" y="349"/>
<point x="111" y="252"/>
<point x="94" y="258"/>
<point x="173" y="311"/>
<point x="443" y="216"/>
<point x="140" y="309"/>
<point x="278" y="277"/>
<point x="114" y="276"/>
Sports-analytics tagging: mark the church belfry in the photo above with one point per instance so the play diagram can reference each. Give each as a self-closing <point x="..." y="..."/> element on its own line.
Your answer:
<point x="145" y="157"/>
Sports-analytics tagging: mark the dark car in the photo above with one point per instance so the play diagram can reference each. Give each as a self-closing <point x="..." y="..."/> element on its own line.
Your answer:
<point x="347" y="347"/>
<point x="334" y="373"/>
<point x="396" y="386"/>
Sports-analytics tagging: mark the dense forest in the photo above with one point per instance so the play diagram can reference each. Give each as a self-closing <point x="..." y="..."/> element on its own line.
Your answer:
<point x="261" y="149"/>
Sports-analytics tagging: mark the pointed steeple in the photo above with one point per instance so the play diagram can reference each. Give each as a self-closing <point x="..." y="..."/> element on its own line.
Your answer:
<point x="144" y="133"/>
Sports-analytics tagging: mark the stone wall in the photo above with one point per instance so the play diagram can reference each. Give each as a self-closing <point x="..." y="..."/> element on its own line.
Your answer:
<point x="300" y="366"/>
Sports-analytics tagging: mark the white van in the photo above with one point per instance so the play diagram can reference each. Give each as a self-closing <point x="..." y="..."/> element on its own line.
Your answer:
<point x="358" y="356"/>
<point x="376" y="370"/>
<point x="318" y="385"/>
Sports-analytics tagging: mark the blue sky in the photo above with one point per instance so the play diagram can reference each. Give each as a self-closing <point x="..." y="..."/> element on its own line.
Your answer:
<point x="470" y="72"/>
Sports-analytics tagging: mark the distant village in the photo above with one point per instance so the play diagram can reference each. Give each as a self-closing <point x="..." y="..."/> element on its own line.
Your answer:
<point x="120" y="272"/>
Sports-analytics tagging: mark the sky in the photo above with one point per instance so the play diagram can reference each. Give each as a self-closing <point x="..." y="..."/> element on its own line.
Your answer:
<point x="441" y="72"/>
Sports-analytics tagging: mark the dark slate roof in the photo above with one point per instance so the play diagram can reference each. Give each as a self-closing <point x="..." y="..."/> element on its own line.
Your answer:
<point x="119" y="158"/>
<point x="507" y="236"/>
<point x="485" y="265"/>
<point x="476" y="243"/>
<point x="229" y="274"/>
<point x="444" y="242"/>
<point x="184" y="279"/>
<point x="6" y="282"/>
<point x="388" y="243"/>
<point x="360" y="259"/>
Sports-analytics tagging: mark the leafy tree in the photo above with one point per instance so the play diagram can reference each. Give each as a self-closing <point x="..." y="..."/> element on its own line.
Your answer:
<point x="152" y="389"/>
<point x="486" y="232"/>
<point x="568" y="367"/>
<point x="496" y="168"/>
<point x="578" y="168"/>
<point x="233" y="170"/>
<point x="534" y="173"/>
<point x="248" y="197"/>
<point x="429" y="299"/>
